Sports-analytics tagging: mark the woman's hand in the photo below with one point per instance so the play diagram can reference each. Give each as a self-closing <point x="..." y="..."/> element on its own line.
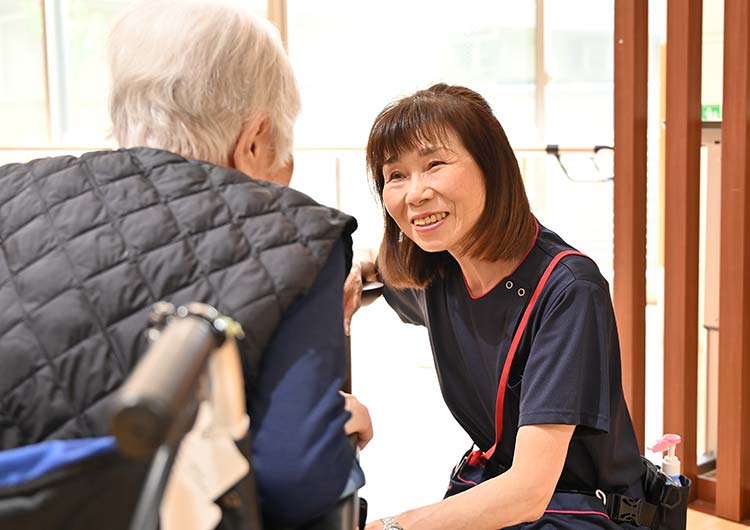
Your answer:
<point x="363" y="269"/>
<point x="360" y="422"/>
<point x="352" y="295"/>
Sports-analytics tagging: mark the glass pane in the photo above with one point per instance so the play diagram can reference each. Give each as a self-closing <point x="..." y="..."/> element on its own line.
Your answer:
<point x="352" y="58"/>
<point x="23" y="102"/>
<point x="84" y="82"/>
<point x="580" y="64"/>
<point x="580" y="40"/>
<point x="579" y="112"/>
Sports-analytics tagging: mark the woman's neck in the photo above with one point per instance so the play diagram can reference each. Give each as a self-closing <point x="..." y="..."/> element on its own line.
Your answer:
<point x="481" y="276"/>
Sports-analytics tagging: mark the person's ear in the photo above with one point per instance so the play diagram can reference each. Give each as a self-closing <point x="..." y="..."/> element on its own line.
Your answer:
<point x="253" y="152"/>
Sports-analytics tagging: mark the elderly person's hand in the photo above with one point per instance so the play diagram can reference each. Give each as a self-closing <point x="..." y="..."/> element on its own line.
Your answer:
<point x="363" y="270"/>
<point x="360" y="422"/>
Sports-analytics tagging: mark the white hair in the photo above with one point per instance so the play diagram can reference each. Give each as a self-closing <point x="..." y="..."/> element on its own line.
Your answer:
<point x="187" y="75"/>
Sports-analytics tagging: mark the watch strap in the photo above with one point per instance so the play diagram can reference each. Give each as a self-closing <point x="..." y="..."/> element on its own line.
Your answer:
<point x="389" y="523"/>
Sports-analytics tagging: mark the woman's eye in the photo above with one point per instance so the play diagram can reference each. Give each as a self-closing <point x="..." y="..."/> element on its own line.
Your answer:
<point x="394" y="176"/>
<point x="435" y="163"/>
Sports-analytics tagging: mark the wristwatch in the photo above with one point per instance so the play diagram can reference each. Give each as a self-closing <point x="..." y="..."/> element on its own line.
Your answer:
<point x="389" y="523"/>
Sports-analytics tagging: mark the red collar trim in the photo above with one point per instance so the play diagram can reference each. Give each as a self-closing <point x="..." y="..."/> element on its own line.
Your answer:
<point x="477" y="297"/>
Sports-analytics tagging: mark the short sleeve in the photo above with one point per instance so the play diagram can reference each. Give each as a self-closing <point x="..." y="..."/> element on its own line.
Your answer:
<point x="407" y="303"/>
<point x="567" y="376"/>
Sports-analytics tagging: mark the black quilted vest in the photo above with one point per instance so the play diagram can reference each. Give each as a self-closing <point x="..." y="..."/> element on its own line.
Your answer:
<point x="88" y="244"/>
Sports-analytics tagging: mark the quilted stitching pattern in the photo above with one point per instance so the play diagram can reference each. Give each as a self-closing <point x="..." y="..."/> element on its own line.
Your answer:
<point x="88" y="244"/>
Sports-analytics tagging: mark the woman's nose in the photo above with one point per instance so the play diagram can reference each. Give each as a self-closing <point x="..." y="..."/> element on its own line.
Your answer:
<point x="419" y="190"/>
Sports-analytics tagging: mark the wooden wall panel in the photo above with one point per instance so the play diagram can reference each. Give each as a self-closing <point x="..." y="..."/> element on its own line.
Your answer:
<point x="631" y="106"/>
<point x="682" y="199"/>
<point x="733" y="453"/>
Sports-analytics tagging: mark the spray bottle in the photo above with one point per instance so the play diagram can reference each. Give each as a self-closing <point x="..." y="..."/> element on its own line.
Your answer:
<point x="670" y="464"/>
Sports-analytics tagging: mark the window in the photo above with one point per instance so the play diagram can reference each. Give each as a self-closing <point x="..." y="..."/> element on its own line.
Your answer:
<point x="83" y="79"/>
<point x="23" y="103"/>
<point x="579" y="60"/>
<point x="352" y="58"/>
<point x="76" y="37"/>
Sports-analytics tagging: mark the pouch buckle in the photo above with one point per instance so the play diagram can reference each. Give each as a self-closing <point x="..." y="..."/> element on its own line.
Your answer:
<point x="624" y="509"/>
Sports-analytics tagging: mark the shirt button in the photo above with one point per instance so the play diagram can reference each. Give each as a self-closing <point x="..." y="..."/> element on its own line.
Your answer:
<point x="509" y="284"/>
<point x="521" y="291"/>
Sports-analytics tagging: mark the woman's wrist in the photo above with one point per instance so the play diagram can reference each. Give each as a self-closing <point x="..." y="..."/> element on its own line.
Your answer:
<point x="366" y="258"/>
<point x="389" y="523"/>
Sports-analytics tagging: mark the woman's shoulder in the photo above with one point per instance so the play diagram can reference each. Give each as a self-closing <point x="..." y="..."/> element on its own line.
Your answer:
<point x="577" y="271"/>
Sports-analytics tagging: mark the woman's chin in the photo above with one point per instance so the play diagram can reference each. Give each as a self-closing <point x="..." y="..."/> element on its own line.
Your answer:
<point x="428" y="246"/>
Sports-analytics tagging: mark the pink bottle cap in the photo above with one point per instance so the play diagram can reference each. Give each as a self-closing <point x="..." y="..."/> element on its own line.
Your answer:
<point x="663" y="443"/>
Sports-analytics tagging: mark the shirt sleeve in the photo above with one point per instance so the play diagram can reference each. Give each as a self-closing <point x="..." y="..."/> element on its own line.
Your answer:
<point x="567" y="376"/>
<point x="407" y="303"/>
<point x="301" y="455"/>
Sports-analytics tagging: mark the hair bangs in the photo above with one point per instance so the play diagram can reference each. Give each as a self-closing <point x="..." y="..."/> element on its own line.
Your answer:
<point x="402" y="128"/>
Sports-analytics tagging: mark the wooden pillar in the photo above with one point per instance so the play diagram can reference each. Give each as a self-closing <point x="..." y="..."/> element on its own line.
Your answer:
<point x="733" y="452"/>
<point x="47" y="76"/>
<point x="682" y="199"/>
<point x="631" y="113"/>
<point x="277" y="14"/>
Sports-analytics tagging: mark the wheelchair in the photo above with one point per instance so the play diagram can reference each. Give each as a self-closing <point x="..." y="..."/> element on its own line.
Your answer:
<point x="124" y="482"/>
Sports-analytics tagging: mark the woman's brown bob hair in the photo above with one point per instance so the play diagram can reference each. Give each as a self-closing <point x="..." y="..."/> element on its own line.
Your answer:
<point x="505" y="230"/>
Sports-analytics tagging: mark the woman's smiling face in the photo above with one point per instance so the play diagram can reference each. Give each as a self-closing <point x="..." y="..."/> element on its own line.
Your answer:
<point x="435" y="194"/>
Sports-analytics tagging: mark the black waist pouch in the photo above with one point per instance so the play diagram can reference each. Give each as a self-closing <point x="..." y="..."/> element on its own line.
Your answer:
<point x="670" y="500"/>
<point x="471" y="471"/>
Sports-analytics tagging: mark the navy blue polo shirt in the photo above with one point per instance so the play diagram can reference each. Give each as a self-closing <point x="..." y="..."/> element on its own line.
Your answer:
<point x="566" y="369"/>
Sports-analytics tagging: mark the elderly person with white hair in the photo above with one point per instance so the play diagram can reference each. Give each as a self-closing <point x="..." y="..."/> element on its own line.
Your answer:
<point x="193" y="207"/>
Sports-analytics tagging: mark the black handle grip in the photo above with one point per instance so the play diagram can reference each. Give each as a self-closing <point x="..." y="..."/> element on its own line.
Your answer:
<point x="161" y="386"/>
<point x="370" y="292"/>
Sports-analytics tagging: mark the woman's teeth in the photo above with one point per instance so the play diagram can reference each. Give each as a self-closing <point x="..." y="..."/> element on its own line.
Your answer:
<point x="430" y="219"/>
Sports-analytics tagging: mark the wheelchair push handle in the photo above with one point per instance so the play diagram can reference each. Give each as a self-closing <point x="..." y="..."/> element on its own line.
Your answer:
<point x="154" y="400"/>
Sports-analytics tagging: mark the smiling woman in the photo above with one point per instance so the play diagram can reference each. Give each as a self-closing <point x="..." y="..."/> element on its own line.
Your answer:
<point x="521" y="326"/>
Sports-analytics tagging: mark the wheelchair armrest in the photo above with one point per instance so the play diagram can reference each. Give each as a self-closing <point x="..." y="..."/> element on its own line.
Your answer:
<point x="344" y="516"/>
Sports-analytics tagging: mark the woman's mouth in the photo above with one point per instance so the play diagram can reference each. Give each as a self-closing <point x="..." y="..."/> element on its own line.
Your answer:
<point x="429" y="222"/>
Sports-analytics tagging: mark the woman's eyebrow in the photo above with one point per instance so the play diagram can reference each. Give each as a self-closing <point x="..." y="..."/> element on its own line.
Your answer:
<point x="429" y="150"/>
<point x="422" y="151"/>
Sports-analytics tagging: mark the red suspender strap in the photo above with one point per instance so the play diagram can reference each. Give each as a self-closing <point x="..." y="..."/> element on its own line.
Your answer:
<point x="478" y="455"/>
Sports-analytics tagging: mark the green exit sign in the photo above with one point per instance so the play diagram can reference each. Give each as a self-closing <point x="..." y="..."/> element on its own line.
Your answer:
<point x="711" y="112"/>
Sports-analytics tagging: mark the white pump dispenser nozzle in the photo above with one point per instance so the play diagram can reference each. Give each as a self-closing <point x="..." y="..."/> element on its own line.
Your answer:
<point x="670" y="464"/>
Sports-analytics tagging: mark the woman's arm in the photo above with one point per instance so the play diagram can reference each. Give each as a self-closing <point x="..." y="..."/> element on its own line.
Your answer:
<point x="363" y="270"/>
<point x="519" y="495"/>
